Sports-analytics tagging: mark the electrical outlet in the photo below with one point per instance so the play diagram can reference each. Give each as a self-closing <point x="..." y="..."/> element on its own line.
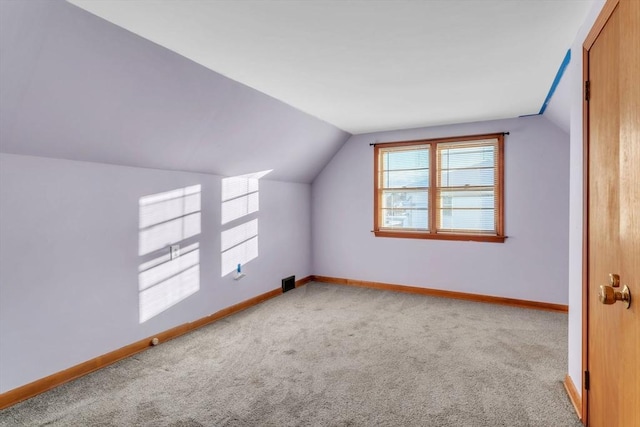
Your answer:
<point x="175" y="251"/>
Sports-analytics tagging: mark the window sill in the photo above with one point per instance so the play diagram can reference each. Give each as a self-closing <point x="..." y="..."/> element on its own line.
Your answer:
<point x="459" y="237"/>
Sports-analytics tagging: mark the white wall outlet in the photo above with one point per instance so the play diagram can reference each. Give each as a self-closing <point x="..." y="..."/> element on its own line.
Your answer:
<point x="175" y="251"/>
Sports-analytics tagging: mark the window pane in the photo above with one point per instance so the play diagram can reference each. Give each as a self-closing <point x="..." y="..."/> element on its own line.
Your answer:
<point x="466" y="199"/>
<point x="406" y="158"/>
<point x="466" y="165"/>
<point x="467" y="157"/>
<point x="467" y="220"/>
<point x="405" y="218"/>
<point x="467" y="177"/>
<point x="467" y="210"/>
<point x="405" y="199"/>
<point x="404" y="179"/>
<point x="405" y="209"/>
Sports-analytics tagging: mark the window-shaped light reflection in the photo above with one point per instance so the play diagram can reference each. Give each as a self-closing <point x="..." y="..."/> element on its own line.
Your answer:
<point x="240" y="197"/>
<point x="167" y="283"/>
<point x="239" y="245"/>
<point x="168" y="218"/>
<point x="165" y="219"/>
<point x="239" y="207"/>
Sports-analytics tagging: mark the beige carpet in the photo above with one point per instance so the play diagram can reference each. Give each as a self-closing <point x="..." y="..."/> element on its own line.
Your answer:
<point x="329" y="355"/>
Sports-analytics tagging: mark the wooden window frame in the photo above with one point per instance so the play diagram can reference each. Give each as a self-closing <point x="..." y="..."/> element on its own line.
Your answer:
<point x="499" y="237"/>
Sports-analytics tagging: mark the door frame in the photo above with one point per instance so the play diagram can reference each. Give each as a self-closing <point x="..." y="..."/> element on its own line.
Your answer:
<point x="598" y="25"/>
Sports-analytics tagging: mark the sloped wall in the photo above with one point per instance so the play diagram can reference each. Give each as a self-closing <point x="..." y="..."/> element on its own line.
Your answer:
<point x="77" y="87"/>
<point x="69" y="251"/>
<point x="92" y="119"/>
<point x="530" y="265"/>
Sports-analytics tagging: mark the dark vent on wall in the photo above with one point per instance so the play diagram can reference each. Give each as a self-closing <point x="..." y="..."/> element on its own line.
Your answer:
<point x="288" y="283"/>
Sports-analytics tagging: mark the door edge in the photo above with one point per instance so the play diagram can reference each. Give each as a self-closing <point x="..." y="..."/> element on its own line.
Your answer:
<point x="598" y="25"/>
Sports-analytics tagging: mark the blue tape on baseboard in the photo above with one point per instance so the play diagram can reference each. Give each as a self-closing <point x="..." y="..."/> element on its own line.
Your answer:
<point x="556" y="81"/>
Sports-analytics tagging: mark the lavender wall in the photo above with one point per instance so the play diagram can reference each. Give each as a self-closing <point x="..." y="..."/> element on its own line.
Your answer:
<point x="558" y="110"/>
<point x="69" y="257"/>
<point x="74" y="86"/>
<point x="530" y="265"/>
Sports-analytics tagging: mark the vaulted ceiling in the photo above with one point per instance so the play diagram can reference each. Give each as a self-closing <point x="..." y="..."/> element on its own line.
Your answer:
<point x="235" y="87"/>
<point x="367" y="65"/>
<point x="74" y="86"/>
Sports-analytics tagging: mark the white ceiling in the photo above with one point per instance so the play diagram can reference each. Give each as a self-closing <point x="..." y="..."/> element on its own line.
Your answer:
<point x="365" y="66"/>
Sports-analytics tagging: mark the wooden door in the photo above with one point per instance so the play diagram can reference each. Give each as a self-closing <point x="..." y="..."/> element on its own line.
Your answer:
<point x="613" y="217"/>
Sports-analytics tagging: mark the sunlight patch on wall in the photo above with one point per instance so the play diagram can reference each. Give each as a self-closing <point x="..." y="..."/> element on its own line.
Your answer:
<point x="168" y="283"/>
<point x="166" y="219"/>
<point x="240" y="197"/>
<point x="239" y="207"/>
<point x="239" y="245"/>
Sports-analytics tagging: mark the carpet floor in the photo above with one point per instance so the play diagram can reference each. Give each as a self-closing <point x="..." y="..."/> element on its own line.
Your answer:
<point x="329" y="355"/>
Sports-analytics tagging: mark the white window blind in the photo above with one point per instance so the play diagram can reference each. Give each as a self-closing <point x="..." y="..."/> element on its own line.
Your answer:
<point x="466" y="187"/>
<point x="405" y="188"/>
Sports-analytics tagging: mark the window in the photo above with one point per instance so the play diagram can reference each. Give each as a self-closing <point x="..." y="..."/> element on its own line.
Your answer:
<point x="450" y="189"/>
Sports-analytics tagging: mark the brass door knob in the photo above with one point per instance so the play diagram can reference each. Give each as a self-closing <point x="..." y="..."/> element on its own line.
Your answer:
<point x="608" y="295"/>
<point x="614" y="280"/>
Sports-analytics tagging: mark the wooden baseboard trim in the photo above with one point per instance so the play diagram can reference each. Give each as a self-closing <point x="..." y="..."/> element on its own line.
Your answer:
<point x="445" y="294"/>
<point x="34" y="388"/>
<point x="304" y="281"/>
<point x="574" y="397"/>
